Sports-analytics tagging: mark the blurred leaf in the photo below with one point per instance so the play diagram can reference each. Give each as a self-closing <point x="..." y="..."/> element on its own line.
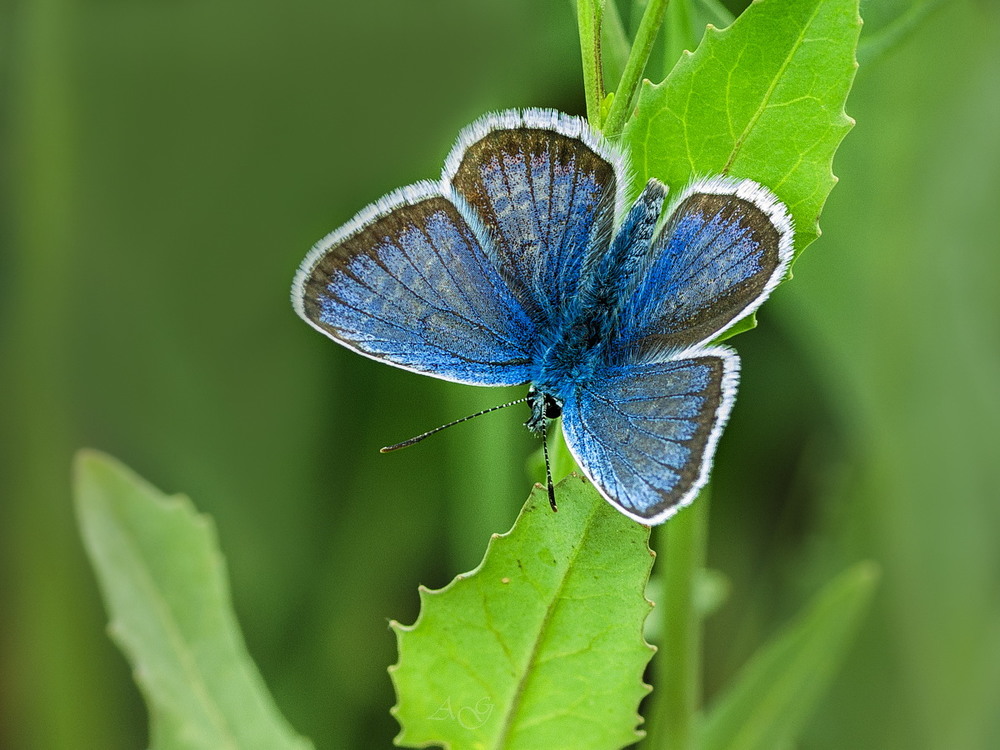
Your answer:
<point x="717" y="11"/>
<point x="711" y="592"/>
<point x="777" y="690"/>
<point x="711" y="589"/>
<point x="762" y="99"/>
<point x="541" y="646"/>
<point x="165" y="586"/>
<point x="680" y="32"/>
<point x="877" y="42"/>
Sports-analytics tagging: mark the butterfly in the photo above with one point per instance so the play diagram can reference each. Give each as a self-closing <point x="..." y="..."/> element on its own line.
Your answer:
<point x="524" y="263"/>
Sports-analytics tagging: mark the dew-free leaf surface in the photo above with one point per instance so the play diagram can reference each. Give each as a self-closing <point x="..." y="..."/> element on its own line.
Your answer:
<point x="774" y="694"/>
<point x="164" y="583"/>
<point x="540" y="646"/>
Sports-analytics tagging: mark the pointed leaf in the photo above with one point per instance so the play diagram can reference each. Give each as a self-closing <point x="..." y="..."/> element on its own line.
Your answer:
<point x="541" y="646"/>
<point x="778" y="689"/>
<point x="762" y="99"/>
<point x="165" y="586"/>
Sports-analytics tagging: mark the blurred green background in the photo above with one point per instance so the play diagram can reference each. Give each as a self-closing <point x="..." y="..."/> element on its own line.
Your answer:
<point x="165" y="167"/>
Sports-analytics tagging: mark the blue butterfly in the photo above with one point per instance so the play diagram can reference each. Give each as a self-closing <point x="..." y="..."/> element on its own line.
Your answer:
<point x="523" y="264"/>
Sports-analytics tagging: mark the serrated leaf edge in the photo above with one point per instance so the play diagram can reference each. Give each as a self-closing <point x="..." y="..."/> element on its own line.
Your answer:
<point x="426" y="594"/>
<point x="714" y="36"/>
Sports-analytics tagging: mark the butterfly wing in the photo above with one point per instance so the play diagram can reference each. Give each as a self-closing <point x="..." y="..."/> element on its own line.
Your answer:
<point x="724" y="246"/>
<point x="411" y="281"/>
<point x="645" y="433"/>
<point x="548" y="189"/>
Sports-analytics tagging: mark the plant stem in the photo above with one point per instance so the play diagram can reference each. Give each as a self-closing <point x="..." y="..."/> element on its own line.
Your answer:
<point x="616" y="42"/>
<point x="53" y="655"/>
<point x="589" y="15"/>
<point x="562" y="460"/>
<point x="677" y="667"/>
<point x="638" y="56"/>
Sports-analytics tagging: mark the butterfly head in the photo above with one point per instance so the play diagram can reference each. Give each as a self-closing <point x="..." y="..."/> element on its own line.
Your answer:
<point x="544" y="407"/>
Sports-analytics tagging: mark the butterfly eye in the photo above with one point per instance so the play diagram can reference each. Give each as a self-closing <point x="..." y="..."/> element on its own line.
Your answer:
<point x="553" y="408"/>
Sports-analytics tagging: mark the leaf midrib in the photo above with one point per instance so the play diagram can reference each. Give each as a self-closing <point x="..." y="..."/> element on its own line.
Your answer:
<point x="176" y="641"/>
<point x="765" y="100"/>
<point x="528" y="671"/>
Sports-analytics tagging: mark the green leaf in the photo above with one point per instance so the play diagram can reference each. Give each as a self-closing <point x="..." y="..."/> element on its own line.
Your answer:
<point x="164" y="583"/>
<point x="541" y="646"/>
<point x="762" y="99"/>
<point x="779" y="687"/>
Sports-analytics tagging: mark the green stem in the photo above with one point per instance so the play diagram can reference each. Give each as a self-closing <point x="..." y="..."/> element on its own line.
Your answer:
<point x="677" y="667"/>
<point x="52" y="651"/>
<point x="645" y="37"/>
<point x="589" y="16"/>
<point x="616" y="42"/>
<point x="562" y="460"/>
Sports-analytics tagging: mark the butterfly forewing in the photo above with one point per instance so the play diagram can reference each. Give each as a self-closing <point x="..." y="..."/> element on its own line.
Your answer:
<point x="409" y="282"/>
<point x="725" y="245"/>
<point x="646" y="433"/>
<point x="547" y="189"/>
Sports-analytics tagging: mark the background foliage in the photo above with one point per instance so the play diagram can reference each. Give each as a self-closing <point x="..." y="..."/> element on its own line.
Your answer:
<point x="166" y="166"/>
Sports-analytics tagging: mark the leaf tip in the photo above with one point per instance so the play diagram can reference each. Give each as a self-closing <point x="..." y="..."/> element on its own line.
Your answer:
<point x="84" y="458"/>
<point x="90" y="466"/>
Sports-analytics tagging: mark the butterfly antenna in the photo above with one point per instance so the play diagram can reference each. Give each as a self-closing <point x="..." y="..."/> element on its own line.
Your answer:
<point x="548" y="469"/>
<point x="418" y="438"/>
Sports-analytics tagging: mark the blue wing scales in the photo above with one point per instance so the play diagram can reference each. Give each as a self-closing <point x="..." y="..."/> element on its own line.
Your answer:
<point x="724" y="246"/>
<point x="411" y="282"/>
<point x="548" y="190"/>
<point x="645" y="433"/>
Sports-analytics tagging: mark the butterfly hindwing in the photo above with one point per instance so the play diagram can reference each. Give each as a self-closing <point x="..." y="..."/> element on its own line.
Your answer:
<point x="645" y="433"/>
<point x="410" y="282"/>
<point x="723" y="247"/>
<point x="548" y="190"/>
